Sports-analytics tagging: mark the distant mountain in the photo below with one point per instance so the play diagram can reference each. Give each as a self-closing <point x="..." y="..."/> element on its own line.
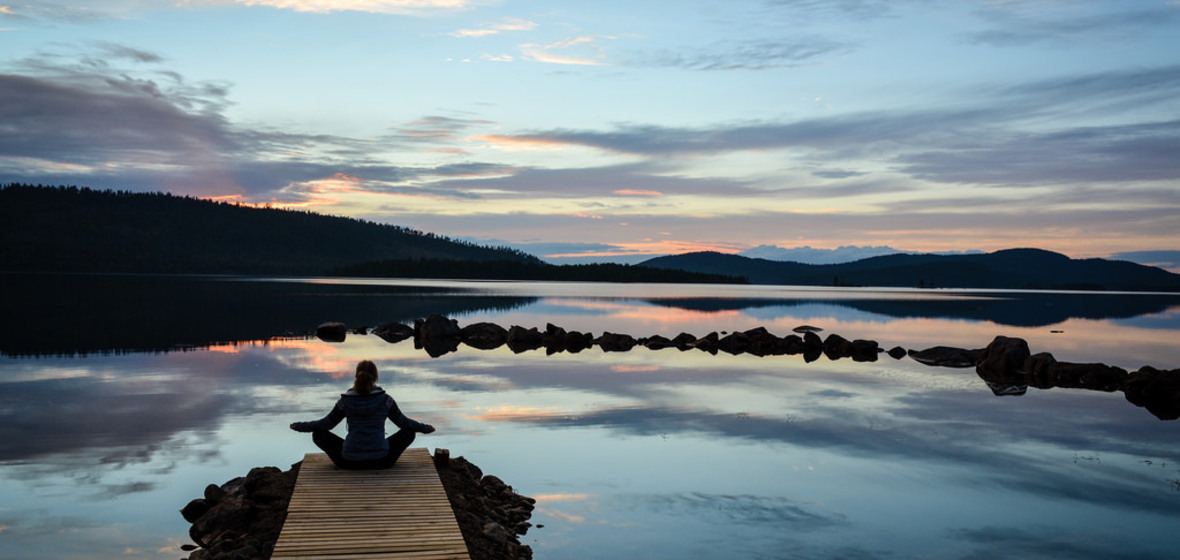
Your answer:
<point x="1008" y="269"/>
<point x="70" y="229"/>
<point x="810" y="255"/>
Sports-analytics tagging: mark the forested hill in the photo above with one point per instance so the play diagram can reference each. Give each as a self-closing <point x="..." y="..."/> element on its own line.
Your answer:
<point x="1008" y="269"/>
<point x="73" y="229"/>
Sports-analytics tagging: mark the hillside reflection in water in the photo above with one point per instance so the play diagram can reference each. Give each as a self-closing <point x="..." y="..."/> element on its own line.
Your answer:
<point x="658" y="454"/>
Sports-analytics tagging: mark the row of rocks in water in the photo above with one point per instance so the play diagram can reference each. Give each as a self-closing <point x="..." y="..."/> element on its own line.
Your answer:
<point x="242" y="519"/>
<point x="439" y="335"/>
<point x="1006" y="365"/>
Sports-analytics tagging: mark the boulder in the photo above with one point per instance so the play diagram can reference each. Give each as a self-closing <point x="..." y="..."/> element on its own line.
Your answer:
<point x="1156" y="390"/>
<point x="734" y="343"/>
<point x="393" y="332"/>
<point x="1037" y="368"/>
<point x="836" y="347"/>
<point x="436" y="326"/>
<point x="945" y="356"/>
<point x="1003" y="357"/>
<point x="1096" y="377"/>
<point x="484" y="336"/>
<point x="897" y="352"/>
<point x="577" y="341"/>
<point x="613" y="342"/>
<point x="707" y="343"/>
<point x="657" y="342"/>
<point x="684" y="341"/>
<point x="331" y="332"/>
<point x="764" y="343"/>
<point x="521" y="339"/>
<point x="865" y="350"/>
<point x="806" y="329"/>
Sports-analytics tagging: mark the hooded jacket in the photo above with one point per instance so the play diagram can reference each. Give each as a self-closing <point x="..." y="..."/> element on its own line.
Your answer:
<point x="366" y="416"/>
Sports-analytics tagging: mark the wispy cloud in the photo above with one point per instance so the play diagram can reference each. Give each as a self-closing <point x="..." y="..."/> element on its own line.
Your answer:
<point x="507" y="24"/>
<point x="745" y="55"/>
<point x="398" y="7"/>
<point x="51" y="11"/>
<point x="580" y="51"/>
<point x="1013" y="26"/>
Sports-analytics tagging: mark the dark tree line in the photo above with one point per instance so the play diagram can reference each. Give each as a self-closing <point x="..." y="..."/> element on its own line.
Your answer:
<point x="72" y="229"/>
<point x="515" y="270"/>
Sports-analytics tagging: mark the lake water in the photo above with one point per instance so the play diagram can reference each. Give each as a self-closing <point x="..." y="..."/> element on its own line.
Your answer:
<point x="121" y="397"/>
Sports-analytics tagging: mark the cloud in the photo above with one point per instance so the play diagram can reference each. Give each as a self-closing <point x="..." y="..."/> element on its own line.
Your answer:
<point x="395" y="7"/>
<point x="745" y="55"/>
<point x="579" y="51"/>
<point x="50" y="11"/>
<point x="506" y="24"/>
<point x="1014" y="27"/>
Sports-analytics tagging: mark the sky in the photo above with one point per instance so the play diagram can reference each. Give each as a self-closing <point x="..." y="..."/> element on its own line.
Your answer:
<point x="612" y="129"/>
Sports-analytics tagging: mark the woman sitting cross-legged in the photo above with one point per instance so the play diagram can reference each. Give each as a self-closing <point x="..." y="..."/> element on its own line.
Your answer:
<point x="366" y="406"/>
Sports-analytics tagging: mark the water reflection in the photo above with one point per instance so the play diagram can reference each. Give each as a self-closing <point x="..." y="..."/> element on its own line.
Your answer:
<point x="646" y="453"/>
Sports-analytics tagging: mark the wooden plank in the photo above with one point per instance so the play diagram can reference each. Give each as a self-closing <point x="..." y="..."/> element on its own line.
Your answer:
<point x="399" y="513"/>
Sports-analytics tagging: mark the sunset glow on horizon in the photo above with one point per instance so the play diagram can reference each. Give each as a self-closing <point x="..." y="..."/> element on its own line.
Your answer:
<point x="615" y="131"/>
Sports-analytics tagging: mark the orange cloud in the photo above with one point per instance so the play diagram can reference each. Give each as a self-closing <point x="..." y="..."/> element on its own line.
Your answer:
<point x="635" y="192"/>
<point x="515" y="414"/>
<point x="520" y="142"/>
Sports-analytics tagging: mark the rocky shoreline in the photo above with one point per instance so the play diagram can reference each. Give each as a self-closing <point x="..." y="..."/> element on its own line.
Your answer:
<point x="1156" y="390"/>
<point x="241" y="519"/>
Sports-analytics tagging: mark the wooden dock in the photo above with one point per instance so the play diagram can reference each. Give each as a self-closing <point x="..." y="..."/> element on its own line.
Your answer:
<point x="399" y="513"/>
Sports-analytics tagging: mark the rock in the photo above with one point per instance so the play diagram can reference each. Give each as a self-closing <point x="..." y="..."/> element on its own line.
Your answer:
<point x="1156" y="390"/>
<point x="193" y="511"/>
<point x="658" y="342"/>
<point x="214" y="494"/>
<point x="763" y="343"/>
<point x="734" y="343"/>
<point x="945" y="356"/>
<point x="865" y="350"/>
<point x="436" y="327"/>
<point x="684" y="341"/>
<point x="1004" y="357"/>
<point x="806" y="329"/>
<point x="331" y="332"/>
<point x="897" y="352"/>
<point x="1037" y="368"/>
<point x="577" y="341"/>
<point x="496" y="532"/>
<point x="393" y="332"/>
<point x="521" y="339"/>
<point x="836" y="347"/>
<point x="1096" y="377"/>
<point x="484" y="336"/>
<point x="707" y="343"/>
<point x="266" y="484"/>
<point x="612" y="342"/>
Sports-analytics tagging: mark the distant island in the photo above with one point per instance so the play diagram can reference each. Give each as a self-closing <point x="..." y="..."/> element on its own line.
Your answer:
<point x="72" y="229"/>
<point x="1023" y="269"/>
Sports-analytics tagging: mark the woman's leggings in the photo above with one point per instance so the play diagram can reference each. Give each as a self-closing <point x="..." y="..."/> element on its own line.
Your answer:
<point x="333" y="445"/>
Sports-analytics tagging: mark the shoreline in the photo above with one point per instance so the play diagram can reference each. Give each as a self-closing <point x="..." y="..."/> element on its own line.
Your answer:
<point x="242" y="518"/>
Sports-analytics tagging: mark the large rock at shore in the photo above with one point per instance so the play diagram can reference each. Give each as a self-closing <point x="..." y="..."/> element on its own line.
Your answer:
<point x="241" y="518"/>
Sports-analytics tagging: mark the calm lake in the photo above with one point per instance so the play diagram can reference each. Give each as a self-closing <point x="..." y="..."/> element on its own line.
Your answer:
<point x="122" y="397"/>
